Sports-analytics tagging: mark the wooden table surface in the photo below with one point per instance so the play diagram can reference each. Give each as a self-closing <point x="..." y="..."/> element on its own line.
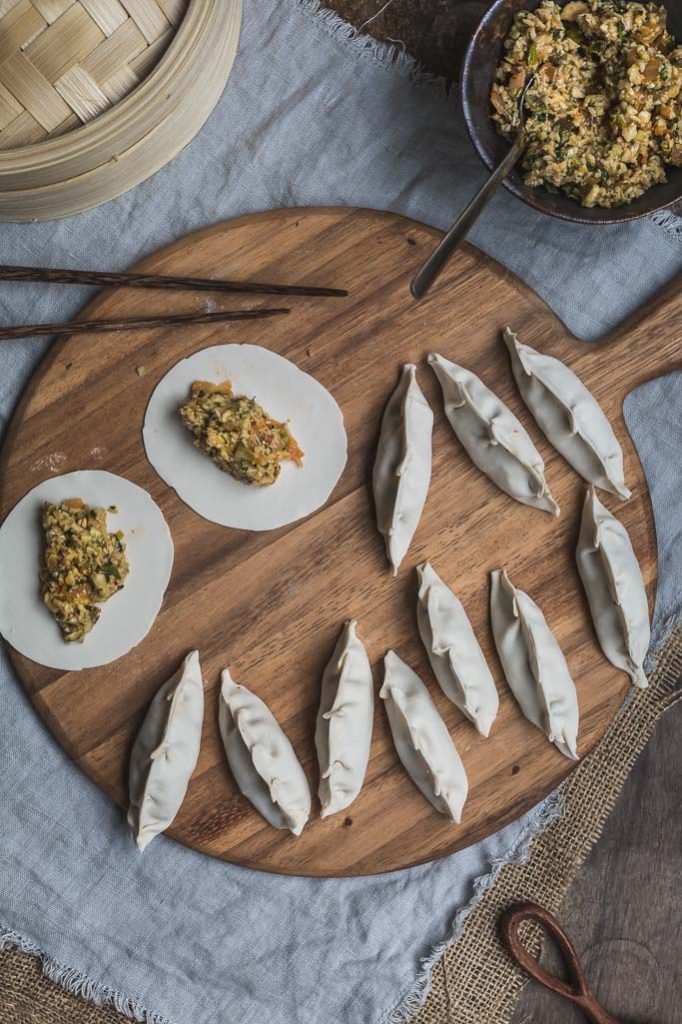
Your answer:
<point x="624" y="909"/>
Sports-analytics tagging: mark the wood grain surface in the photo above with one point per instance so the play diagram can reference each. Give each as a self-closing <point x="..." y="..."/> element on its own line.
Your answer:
<point x="570" y="983"/>
<point x="270" y="606"/>
<point x="623" y="911"/>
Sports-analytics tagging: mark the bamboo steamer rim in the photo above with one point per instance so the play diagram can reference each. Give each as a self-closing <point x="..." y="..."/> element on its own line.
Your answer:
<point x="101" y="183"/>
<point x="197" y="40"/>
<point x="49" y="150"/>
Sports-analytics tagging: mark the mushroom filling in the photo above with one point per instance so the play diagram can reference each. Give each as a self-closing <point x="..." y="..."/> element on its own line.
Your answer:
<point x="237" y="434"/>
<point x="603" y="114"/>
<point x="83" y="565"/>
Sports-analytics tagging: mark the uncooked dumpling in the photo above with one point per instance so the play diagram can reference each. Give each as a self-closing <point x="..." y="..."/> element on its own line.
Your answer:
<point x="615" y="590"/>
<point x="343" y="732"/>
<point x="261" y="758"/>
<point x="569" y="415"/>
<point x="454" y="652"/>
<point x="422" y="740"/>
<point x="492" y="435"/>
<point x="402" y="469"/>
<point x="534" y="664"/>
<point x="165" y="752"/>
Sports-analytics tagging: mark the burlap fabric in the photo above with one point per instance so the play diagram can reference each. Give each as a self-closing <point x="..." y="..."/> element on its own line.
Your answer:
<point x="28" y="997"/>
<point x="474" y="982"/>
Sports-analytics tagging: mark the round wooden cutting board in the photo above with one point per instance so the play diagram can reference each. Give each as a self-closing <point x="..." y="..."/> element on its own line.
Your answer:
<point x="271" y="605"/>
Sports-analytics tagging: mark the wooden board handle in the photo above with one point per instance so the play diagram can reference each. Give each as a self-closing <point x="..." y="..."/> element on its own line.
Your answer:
<point x="658" y="326"/>
<point x="577" y="990"/>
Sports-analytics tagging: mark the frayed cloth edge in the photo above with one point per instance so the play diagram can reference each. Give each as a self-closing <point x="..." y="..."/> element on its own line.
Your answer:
<point x="547" y="812"/>
<point x="392" y="56"/>
<point x="659" y="639"/>
<point x="415" y="997"/>
<point x="669" y="222"/>
<point x="78" y="984"/>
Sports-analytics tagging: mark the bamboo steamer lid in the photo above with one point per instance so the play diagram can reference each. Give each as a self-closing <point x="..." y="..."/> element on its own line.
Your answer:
<point x="97" y="95"/>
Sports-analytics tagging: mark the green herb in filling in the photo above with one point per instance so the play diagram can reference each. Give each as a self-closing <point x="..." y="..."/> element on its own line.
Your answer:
<point x="83" y="565"/>
<point x="609" y="74"/>
<point x="237" y="434"/>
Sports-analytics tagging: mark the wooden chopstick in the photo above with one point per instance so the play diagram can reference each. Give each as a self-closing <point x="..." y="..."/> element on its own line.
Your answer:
<point x="134" y="323"/>
<point x="197" y="284"/>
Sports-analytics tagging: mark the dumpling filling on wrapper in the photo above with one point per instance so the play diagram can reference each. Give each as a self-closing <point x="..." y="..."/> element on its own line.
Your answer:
<point x="84" y="564"/>
<point x="118" y="620"/>
<point x="244" y="437"/>
<point x="237" y="434"/>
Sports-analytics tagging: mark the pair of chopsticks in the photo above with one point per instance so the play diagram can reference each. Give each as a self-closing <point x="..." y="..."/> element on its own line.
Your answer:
<point x="195" y="284"/>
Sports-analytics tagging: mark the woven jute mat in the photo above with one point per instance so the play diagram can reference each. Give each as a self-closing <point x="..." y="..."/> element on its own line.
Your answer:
<point x="474" y="982"/>
<point x="28" y="997"/>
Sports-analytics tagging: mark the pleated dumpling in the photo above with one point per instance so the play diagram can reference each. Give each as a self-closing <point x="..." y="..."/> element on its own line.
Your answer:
<point x="534" y="664"/>
<point x="402" y="468"/>
<point x="492" y="435"/>
<point x="569" y="416"/>
<point x="261" y="758"/>
<point x="615" y="589"/>
<point x="166" y="752"/>
<point x="343" y="731"/>
<point x="456" y="658"/>
<point x="422" y="740"/>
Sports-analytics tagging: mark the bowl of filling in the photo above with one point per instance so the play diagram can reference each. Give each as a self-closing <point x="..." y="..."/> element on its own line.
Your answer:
<point x="603" y="112"/>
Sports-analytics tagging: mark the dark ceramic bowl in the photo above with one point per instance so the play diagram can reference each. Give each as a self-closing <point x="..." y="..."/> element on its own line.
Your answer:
<point x="478" y="72"/>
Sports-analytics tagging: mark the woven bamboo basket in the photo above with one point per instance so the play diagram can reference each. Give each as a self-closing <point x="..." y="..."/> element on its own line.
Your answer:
<point x="97" y="95"/>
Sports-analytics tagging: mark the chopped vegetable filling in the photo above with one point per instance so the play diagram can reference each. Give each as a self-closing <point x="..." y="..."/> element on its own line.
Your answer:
<point x="83" y="565"/>
<point x="237" y="434"/>
<point x="603" y="113"/>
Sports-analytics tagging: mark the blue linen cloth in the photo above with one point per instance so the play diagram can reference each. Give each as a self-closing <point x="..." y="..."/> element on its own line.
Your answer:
<point x="311" y="115"/>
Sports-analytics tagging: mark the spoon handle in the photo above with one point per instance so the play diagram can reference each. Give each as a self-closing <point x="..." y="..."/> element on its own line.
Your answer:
<point x="425" y="277"/>
<point x="577" y="989"/>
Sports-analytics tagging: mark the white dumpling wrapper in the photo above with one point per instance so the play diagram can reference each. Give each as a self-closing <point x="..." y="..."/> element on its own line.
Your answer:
<point x="615" y="589"/>
<point x="534" y="664"/>
<point x="127" y="616"/>
<point x="343" y="731"/>
<point x="288" y="394"/>
<point x="422" y="740"/>
<point x="494" y="438"/>
<point x="402" y="468"/>
<point x="455" y="654"/>
<point x="165" y="752"/>
<point x="569" y="416"/>
<point x="261" y="758"/>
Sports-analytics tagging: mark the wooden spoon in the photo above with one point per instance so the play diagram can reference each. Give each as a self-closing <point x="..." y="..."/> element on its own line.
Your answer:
<point x="577" y="991"/>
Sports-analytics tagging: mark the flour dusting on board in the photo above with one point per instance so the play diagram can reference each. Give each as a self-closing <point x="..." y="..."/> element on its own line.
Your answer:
<point x="53" y="462"/>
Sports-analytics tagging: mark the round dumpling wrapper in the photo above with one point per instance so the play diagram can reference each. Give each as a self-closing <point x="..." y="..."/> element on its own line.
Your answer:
<point x="288" y="395"/>
<point x="127" y="616"/>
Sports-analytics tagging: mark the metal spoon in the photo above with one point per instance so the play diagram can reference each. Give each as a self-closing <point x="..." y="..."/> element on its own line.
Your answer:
<point x="425" y="277"/>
